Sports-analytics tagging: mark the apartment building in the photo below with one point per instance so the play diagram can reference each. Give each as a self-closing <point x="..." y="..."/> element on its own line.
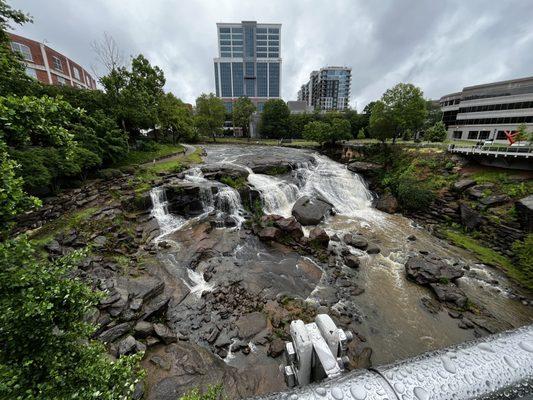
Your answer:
<point x="327" y="89"/>
<point x="50" y="66"/>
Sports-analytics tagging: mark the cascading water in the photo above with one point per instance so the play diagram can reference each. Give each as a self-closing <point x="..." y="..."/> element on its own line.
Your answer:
<point x="167" y="222"/>
<point x="228" y="201"/>
<point x="278" y="196"/>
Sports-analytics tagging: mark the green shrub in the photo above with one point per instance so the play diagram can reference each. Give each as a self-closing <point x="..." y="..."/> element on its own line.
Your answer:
<point x="213" y="392"/>
<point x="237" y="183"/>
<point x="110" y="173"/>
<point x="412" y="196"/>
<point x="46" y="350"/>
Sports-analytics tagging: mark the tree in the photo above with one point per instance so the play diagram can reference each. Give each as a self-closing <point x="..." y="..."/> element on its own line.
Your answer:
<point x="175" y="118"/>
<point x="133" y="96"/>
<point x="522" y="134"/>
<point x="436" y="133"/>
<point x="210" y="115"/>
<point x="275" y="119"/>
<point x="46" y="349"/>
<point x="434" y="113"/>
<point x="405" y="107"/>
<point x="382" y="125"/>
<point x="357" y="121"/>
<point x="242" y="111"/>
<point x="13" y="199"/>
<point x="316" y="131"/>
<point x="340" y="130"/>
<point x="297" y="123"/>
<point x="108" y="53"/>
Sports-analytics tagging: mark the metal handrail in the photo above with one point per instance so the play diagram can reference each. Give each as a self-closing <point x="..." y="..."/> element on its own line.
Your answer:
<point x="492" y="150"/>
<point x="495" y="367"/>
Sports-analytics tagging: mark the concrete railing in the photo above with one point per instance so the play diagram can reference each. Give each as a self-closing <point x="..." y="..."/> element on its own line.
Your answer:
<point x="495" y="367"/>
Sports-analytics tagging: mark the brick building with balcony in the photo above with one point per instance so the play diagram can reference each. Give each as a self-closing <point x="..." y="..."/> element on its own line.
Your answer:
<point x="49" y="66"/>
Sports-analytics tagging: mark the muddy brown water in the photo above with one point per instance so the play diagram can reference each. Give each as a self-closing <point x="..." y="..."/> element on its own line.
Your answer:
<point x="392" y="318"/>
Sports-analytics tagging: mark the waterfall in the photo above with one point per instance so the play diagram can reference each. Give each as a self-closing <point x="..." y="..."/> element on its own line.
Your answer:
<point x="167" y="222"/>
<point x="228" y="201"/>
<point x="278" y="196"/>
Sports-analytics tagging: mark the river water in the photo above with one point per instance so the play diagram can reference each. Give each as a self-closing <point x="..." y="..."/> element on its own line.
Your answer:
<point x="389" y="312"/>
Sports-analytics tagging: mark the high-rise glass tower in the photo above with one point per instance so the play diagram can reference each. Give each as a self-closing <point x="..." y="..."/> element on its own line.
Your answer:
<point x="248" y="62"/>
<point x="327" y="89"/>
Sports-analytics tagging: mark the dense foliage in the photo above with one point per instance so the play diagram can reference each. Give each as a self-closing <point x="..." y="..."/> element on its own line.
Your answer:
<point x="436" y="132"/>
<point x="323" y="132"/>
<point x="210" y="115"/>
<point x="524" y="255"/>
<point x="46" y="352"/>
<point x="400" y="112"/>
<point x="242" y="111"/>
<point x="275" y="119"/>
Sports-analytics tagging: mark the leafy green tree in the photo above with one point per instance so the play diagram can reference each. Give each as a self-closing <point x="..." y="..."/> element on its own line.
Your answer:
<point x="317" y="131"/>
<point x="46" y="352"/>
<point x="357" y="121"/>
<point x="242" y="111"/>
<point x="13" y="199"/>
<point x="275" y="119"/>
<point x="436" y="133"/>
<point x="340" y="130"/>
<point x="13" y="79"/>
<point x="297" y="123"/>
<point x="405" y="109"/>
<point x="382" y="125"/>
<point x="175" y="119"/>
<point x="210" y="115"/>
<point x="434" y="113"/>
<point x="134" y="95"/>
<point x="361" y="134"/>
<point x="522" y="134"/>
<point x="34" y="121"/>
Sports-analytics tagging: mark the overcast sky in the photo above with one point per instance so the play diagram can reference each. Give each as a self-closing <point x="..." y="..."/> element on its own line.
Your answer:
<point x="440" y="46"/>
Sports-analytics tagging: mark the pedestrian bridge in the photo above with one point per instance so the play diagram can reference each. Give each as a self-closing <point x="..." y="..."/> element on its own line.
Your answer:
<point x="495" y="367"/>
<point x="513" y="157"/>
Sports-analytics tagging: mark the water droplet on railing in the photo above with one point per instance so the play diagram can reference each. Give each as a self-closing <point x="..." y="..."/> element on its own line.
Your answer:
<point x="420" y="393"/>
<point x="358" y="392"/>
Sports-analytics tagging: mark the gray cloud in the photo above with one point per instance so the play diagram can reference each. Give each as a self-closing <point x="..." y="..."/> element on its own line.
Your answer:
<point x="439" y="46"/>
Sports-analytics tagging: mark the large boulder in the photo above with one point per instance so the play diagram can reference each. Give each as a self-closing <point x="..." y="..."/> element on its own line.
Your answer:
<point x="357" y="241"/>
<point x="449" y="293"/>
<point x="288" y="226"/>
<point x="186" y="198"/>
<point x="463" y="184"/>
<point x="364" y="168"/>
<point x="251" y="324"/>
<point x="470" y="218"/>
<point x="494" y="200"/>
<point x="220" y="170"/>
<point x="319" y="236"/>
<point x="524" y="211"/>
<point x="427" y="269"/>
<point x="387" y="203"/>
<point x="311" y="211"/>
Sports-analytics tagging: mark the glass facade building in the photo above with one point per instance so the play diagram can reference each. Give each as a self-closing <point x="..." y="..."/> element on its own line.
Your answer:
<point x="328" y="89"/>
<point x="248" y="62"/>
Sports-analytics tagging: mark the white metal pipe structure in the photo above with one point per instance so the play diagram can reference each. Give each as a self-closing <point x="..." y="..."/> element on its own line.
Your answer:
<point x="494" y="367"/>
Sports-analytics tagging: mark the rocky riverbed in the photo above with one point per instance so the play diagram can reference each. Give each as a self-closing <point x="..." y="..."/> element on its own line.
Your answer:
<point x="206" y="270"/>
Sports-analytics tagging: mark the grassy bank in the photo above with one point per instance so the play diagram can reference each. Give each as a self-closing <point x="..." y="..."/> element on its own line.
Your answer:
<point x="155" y="152"/>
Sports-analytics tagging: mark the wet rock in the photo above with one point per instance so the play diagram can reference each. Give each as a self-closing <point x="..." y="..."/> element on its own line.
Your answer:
<point x="351" y="261"/>
<point x="143" y="287"/>
<point x="494" y="200"/>
<point x="478" y="191"/>
<point x="54" y="247"/>
<point x="373" y="249"/>
<point x="362" y="167"/>
<point x="357" y="241"/>
<point x="431" y="305"/>
<point x="114" y="333"/>
<point x="455" y="314"/>
<point x="185" y="198"/>
<point x="165" y="333"/>
<point x="99" y="242"/>
<point x="143" y="329"/>
<point x="319" y="236"/>
<point x="161" y="362"/>
<point x="289" y="226"/>
<point x="152" y="341"/>
<point x="276" y="348"/>
<point x="524" y="211"/>
<point x="129" y="345"/>
<point x="269" y="233"/>
<point x="426" y="269"/>
<point x="463" y="184"/>
<point x="411" y="238"/>
<point x="469" y="217"/>
<point x="387" y="203"/>
<point x="449" y="293"/>
<point x="138" y="393"/>
<point x="220" y="170"/>
<point x="249" y="325"/>
<point x="311" y="211"/>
